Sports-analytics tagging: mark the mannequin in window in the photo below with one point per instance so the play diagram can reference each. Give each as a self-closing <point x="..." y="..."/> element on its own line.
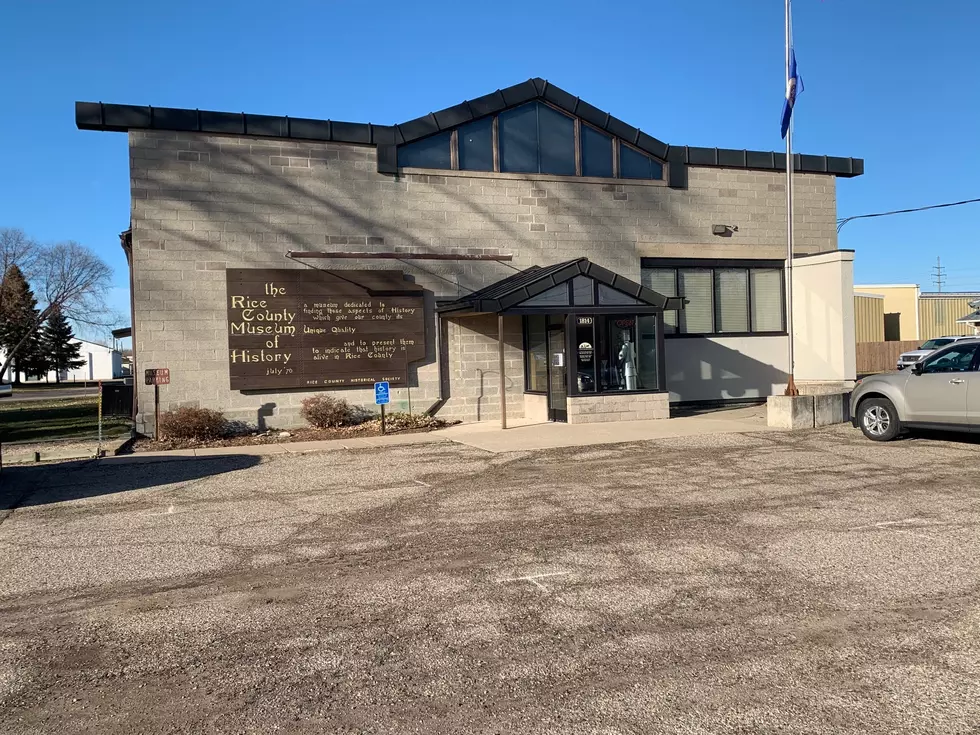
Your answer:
<point x="627" y="361"/>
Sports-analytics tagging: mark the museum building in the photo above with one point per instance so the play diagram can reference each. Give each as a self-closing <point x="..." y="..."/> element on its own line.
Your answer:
<point x="522" y="254"/>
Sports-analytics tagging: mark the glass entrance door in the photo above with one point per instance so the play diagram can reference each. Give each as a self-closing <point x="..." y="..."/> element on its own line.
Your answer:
<point x="557" y="370"/>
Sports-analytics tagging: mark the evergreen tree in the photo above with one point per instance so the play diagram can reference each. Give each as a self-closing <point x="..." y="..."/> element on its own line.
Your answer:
<point x="19" y="317"/>
<point x="32" y="358"/>
<point x="61" y="353"/>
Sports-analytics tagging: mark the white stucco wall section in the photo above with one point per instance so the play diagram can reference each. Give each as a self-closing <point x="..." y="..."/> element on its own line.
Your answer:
<point x="823" y="317"/>
<point x="725" y="368"/>
<point x="729" y="368"/>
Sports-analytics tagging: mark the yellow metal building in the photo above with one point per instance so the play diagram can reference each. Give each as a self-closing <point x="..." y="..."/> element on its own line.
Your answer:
<point x="938" y="313"/>
<point x="901" y="309"/>
<point x="869" y="317"/>
<point x="907" y="314"/>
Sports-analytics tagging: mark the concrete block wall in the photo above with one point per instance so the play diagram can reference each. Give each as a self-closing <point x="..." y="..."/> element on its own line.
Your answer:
<point x="612" y="407"/>
<point x="203" y="203"/>
<point x="474" y="368"/>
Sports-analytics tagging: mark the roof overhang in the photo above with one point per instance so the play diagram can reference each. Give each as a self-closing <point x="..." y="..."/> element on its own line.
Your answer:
<point x="123" y="118"/>
<point x="515" y="293"/>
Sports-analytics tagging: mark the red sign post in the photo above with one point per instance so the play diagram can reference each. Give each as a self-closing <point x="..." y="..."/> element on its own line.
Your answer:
<point x="157" y="377"/>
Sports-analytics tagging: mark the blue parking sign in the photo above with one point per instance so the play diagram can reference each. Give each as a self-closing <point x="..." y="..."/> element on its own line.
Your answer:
<point x="382" y="394"/>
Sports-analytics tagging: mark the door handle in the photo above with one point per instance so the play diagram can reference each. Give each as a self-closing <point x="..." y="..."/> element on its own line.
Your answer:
<point x="956" y="381"/>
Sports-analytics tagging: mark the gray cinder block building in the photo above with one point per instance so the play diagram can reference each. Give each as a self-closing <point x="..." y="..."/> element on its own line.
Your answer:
<point x="550" y="255"/>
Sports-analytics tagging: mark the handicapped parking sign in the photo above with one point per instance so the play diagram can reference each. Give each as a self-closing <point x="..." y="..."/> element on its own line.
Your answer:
<point x="382" y="394"/>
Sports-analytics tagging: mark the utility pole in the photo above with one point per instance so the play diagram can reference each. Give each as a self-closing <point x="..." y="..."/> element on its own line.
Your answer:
<point x="939" y="275"/>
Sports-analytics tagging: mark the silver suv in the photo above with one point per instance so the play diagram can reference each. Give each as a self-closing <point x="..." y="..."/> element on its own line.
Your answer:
<point x="926" y="348"/>
<point x="941" y="391"/>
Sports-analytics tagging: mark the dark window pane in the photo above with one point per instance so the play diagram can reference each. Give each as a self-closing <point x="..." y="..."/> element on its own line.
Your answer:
<point x="554" y="296"/>
<point x="518" y="135"/>
<point x="620" y="346"/>
<point x="556" y="141"/>
<point x="596" y="153"/>
<point x="612" y="297"/>
<point x="956" y="359"/>
<point x="648" y="366"/>
<point x="432" y="152"/>
<point x="582" y="291"/>
<point x="636" y="165"/>
<point x="536" y="355"/>
<point x="731" y="300"/>
<point x="476" y="145"/>
<point x="664" y="282"/>
<point x="585" y="353"/>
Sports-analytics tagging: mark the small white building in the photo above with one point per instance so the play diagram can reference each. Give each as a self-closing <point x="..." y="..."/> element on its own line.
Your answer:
<point x="101" y="363"/>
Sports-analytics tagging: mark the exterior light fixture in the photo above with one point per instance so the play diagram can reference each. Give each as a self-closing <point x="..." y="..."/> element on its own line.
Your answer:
<point x="723" y="230"/>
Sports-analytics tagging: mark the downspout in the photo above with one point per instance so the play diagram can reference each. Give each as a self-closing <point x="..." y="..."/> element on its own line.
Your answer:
<point x="440" y="396"/>
<point x="126" y="240"/>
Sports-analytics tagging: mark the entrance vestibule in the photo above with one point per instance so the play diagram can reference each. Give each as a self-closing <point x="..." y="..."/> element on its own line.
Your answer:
<point x="592" y="338"/>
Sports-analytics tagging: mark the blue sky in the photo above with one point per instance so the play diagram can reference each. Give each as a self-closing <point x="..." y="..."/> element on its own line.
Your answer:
<point x="894" y="82"/>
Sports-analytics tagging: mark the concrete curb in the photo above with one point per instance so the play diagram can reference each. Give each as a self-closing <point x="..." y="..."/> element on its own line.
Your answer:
<point x="284" y="448"/>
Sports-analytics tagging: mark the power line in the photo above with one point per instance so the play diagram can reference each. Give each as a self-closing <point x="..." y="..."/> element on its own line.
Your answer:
<point x="844" y="220"/>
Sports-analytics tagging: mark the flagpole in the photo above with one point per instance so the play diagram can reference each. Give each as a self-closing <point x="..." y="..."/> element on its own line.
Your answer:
<point x="791" y="389"/>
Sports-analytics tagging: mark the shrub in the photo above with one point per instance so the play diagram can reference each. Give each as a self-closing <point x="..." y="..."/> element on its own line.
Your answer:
<point x="398" y="421"/>
<point x="193" y="423"/>
<point x="325" y="412"/>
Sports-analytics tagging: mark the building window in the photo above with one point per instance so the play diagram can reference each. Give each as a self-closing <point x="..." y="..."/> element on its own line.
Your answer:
<point x="664" y="282"/>
<point x="536" y="353"/>
<point x="518" y="135"/>
<point x="722" y="298"/>
<point x="636" y="165"/>
<point x="533" y="138"/>
<point x="766" y="292"/>
<point x="432" y="152"/>
<point x="647" y="354"/>
<point x="554" y="296"/>
<point x="583" y="291"/>
<point x="731" y="300"/>
<point x="585" y="354"/>
<point x="696" y="285"/>
<point x="476" y="145"/>
<point x="597" y="153"/>
<point x="611" y="353"/>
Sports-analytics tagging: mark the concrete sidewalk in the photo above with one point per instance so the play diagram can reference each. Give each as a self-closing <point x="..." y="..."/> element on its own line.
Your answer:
<point x="488" y="436"/>
<point x="550" y="435"/>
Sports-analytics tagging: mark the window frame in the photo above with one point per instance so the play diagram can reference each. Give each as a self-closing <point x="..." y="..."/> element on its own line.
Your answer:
<point x="600" y="328"/>
<point x="974" y="360"/>
<point x="620" y="142"/>
<point x="578" y="123"/>
<point x="714" y="265"/>
<point x="525" y="344"/>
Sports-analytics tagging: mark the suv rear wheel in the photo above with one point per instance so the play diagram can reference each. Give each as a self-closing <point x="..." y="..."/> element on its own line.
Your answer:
<point x="879" y="419"/>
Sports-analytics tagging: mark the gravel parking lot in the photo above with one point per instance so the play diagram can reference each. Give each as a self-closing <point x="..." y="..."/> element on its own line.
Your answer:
<point x="757" y="583"/>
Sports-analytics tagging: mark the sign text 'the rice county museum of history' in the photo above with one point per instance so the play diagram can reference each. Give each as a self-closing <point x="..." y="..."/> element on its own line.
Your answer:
<point x="290" y="328"/>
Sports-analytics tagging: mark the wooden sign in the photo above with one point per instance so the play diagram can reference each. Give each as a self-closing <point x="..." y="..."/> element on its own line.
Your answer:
<point x="157" y="376"/>
<point x="291" y="328"/>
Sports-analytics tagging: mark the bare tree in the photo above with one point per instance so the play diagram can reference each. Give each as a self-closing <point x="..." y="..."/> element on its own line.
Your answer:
<point x="69" y="277"/>
<point x="16" y="248"/>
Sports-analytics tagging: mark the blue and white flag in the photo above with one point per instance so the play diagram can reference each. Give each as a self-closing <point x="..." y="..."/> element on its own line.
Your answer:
<point x="794" y="85"/>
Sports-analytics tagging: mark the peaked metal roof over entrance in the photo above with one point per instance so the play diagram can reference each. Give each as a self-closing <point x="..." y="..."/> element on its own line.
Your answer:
<point x="510" y="293"/>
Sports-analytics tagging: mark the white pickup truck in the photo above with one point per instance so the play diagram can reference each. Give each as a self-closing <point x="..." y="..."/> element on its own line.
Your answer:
<point x="911" y="357"/>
